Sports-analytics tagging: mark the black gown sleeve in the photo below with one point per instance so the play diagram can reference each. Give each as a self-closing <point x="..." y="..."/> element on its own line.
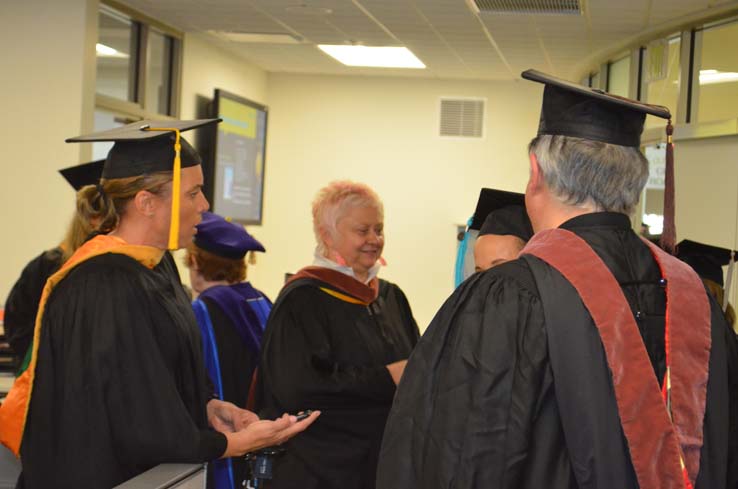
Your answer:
<point x="731" y="343"/>
<point x="303" y="370"/>
<point x="22" y="303"/>
<point x="469" y="397"/>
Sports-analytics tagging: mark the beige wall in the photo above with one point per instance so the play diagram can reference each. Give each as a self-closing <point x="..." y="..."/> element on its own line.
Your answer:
<point x="44" y="90"/>
<point x="383" y="131"/>
<point x="205" y="67"/>
<point x="706" y="176"/>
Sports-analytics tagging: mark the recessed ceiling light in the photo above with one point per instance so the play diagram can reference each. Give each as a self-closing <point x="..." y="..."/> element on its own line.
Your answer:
<point x="104" y="51"/>
<point x="373" y="56"/>
<point x="257" y="37"/>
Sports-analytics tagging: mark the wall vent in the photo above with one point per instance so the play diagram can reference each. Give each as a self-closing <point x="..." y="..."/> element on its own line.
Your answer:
<point x="462" y="117"/>
<point x="568" y="7"/>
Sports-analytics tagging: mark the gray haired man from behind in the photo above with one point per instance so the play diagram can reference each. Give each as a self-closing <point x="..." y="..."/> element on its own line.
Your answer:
<point x="595" y="359"/>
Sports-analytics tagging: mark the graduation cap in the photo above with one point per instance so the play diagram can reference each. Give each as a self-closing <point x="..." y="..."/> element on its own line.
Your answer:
<point x="501" y="212"/>
<point x="223" y="238"/>
<point x="574" y="110"/>
<point x="707" y="260"/>
<point x="84" y="174"/>
<point x="150" y="146"/>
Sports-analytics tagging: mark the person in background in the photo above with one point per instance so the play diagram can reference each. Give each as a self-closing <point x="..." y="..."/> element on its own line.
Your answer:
<point x="708" y="261"/>
<point x="595" y="359"/>
<point x="117" y="384"/>
<point x="504" y="229"/>
<point x="231" y="314"/>
<point x="22" y="302"/>
<point x="337" y="340"/>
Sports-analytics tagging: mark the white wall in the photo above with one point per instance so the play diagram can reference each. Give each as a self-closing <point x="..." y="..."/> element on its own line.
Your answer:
<point x="706" y="177"/>
<point x="44" y="90"/>
<point x="383" y="131"/>
<point x="205" y="67"/>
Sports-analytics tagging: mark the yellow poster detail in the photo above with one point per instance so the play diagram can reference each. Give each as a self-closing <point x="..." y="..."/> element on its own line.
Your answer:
<point x="237" y="118"/>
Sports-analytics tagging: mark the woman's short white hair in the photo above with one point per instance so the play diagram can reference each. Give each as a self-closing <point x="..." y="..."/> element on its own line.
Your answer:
<point x="334" y="201"/>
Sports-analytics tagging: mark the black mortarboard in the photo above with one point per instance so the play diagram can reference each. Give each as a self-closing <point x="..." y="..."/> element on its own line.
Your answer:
<point x="150" y="146"/>
<point x="84" y="174"/>
<point x="501" y="212"/>
<point x="140" y="148"/>
<point x="223" y="238"/>
<point x="590" y="113"/>
<point x="574" y="110"/>
<point x="707" y="260"/>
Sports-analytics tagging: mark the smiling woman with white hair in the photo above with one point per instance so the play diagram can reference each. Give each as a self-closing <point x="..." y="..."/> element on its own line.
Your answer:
<point x="337" y="340"/>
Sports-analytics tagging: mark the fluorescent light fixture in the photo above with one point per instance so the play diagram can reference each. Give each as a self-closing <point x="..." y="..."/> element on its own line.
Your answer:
<point x="374" y="56"/>
<point x="710" y="77"/>
<point x="107" y="52"/>
<point x="257" y="37"/>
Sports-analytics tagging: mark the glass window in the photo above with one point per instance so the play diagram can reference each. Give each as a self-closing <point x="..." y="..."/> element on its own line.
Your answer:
<point x="158" y="73"/>
<point x="105" y="120"/>
<point x="137" y="62"/>
<point x="718" y="83"/>
<point x="662" y="77"/>
<point x="115" y="57"/>
<point x="618" y="81"/>
<point x="653" y="196"/>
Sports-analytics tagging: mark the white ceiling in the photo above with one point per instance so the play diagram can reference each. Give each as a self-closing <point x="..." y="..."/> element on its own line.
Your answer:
<point x="447" y="35"/>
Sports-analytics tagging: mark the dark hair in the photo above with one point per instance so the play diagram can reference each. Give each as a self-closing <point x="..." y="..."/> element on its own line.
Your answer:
<point x="90" y="212"/>
<point x="215" y="268"/>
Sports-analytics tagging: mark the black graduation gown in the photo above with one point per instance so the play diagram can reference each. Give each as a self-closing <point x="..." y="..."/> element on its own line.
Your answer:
<point x="120" y="383"/>
<point x="477" y="407"/>
<point x="22" y="303"/>
<point x="321" y="352"/>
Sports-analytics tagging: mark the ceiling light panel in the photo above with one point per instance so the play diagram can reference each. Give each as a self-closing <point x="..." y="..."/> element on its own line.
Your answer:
<point x="373" y="56"/>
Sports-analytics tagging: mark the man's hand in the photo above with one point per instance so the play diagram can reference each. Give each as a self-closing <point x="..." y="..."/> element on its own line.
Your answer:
<point x="265" y="433"/>
<point x="226" y="417"/>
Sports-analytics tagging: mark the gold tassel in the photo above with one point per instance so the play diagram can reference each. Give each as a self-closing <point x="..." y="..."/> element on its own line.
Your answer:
<point x="252" y="258"/>
<point x="173" y="242"/>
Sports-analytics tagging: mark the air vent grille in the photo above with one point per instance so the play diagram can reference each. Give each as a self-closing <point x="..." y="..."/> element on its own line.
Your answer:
<point x="462" y="117"/>
<point x="570" y="7"/>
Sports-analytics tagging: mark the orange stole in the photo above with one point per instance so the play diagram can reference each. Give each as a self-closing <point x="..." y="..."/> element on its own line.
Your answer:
<point x="14" y="410"/>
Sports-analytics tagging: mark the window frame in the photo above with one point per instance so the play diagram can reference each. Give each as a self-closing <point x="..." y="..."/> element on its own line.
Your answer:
<point x="685" y="125"/>
<point x="136" y="109"/>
